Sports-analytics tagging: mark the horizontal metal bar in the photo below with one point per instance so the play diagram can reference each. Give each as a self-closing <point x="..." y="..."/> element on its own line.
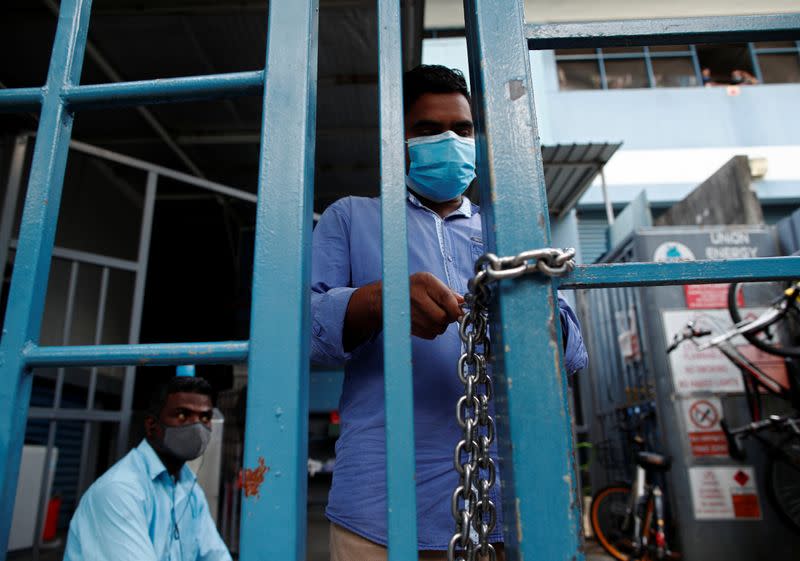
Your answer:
<point x="20" y="100"/>
<point x="672" y="31"/>
<point x="625" y="56"/>
<point x="227" y="352"/>
<point x="775" y="50"/>
<point x="169" y="90"/>
<point x="682" y="272"/>
<point x="163" y="171"/>
<point x="92" y="415"/>
<point x="90" y="258"/>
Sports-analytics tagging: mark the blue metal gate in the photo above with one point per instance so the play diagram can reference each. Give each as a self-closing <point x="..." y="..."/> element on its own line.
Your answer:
<point x="541" y="509"/>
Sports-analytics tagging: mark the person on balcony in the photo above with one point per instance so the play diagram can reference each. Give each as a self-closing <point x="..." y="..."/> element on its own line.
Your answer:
<point x="444" y="240"/>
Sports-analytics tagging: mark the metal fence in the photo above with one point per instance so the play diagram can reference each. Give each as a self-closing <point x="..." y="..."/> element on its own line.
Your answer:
<point x="107" y="277"/>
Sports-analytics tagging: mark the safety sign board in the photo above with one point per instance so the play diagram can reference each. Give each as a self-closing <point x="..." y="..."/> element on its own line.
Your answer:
<point x="724" y="493"/>
<point x="709" y="370"/>
<point x="701" y="418"/>
<point x="708" y="296"/>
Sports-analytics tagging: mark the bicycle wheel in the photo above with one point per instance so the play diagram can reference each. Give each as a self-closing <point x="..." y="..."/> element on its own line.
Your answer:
<point x="768" y="347"/>
<point x="608" y="515"/>
<point x="783" y="481"/>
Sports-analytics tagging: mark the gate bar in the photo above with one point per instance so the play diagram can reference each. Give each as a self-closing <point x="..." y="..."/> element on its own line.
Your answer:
<point x="32" y="262"/>
<point x="540" y="507"/>
<point x="169" y="90"/>
<point x="273" y="521"/>
<point x="87" y="258"/>
<point x="148" y="354"/>
<point x="141" y="92"/>
<point x="669" y="31"/>
<point x="21" y="100"/>
<point x="137" y="305"/>
<point x="397" y="371"/>
<point x="605" y="275"/>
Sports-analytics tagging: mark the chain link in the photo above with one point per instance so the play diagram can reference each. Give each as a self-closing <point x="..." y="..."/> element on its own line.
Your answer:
<point x="471" y="504"/>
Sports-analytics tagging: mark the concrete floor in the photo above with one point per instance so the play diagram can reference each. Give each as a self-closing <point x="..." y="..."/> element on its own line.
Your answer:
<point x="316" y="540"/>
<point x="316" y="544"/>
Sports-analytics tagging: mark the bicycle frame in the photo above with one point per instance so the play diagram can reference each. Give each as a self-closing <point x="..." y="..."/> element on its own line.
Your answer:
<point x="642" y="517"/>
<point x="639" y="497"/>
<point x="748" y="368"/>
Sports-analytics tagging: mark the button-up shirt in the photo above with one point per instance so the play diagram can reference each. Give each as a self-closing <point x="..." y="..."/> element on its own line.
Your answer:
<point x="138" y="512"/>
<point x="346" y="256"/>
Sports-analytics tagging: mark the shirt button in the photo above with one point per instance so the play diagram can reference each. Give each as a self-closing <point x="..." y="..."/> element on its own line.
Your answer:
<point x="450" y="258"/>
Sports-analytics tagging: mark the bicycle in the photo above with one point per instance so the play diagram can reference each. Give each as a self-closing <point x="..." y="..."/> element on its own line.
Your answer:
<point x="628" y="519"/>
<point x="783" y="451"/>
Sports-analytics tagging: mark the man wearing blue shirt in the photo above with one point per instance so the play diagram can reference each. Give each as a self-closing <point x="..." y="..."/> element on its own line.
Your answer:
<point x="148" y="506"/>
<point x="444" y="240"/>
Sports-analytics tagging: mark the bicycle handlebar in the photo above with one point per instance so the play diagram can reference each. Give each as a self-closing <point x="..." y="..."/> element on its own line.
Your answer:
<point x="688" y="332"/>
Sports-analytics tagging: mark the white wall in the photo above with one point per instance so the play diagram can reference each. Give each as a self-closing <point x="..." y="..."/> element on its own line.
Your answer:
<point x="445" y="14"/>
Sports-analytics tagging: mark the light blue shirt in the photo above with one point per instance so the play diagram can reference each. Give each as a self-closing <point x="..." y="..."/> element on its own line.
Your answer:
<point x="131" y="514"/>
<point x="346" y="256"/>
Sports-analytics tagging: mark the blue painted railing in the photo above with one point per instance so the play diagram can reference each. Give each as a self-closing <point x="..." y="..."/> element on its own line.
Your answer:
<point x="541" y="513"/>
<point x="398" y="382"/>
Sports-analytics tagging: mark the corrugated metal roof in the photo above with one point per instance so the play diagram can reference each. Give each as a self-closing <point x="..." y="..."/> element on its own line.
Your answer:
<point x="569" y="169"/>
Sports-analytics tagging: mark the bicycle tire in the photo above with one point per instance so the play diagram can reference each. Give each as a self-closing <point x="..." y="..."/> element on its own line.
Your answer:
<point x="607" y="513"/>
<point x="752" y="338"/>
<point x="783" y="481"/>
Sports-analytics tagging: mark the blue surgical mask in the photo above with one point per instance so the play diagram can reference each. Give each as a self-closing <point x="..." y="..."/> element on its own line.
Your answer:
<point x="442" y="165"/>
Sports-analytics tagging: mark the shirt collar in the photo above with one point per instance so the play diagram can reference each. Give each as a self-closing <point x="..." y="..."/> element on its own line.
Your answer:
<point x="466" y="209"/>
<point x="155" y="467"/>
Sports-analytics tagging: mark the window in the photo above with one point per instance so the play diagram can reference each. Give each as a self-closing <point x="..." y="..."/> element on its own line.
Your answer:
<point x="627" y="67"/>
<point x="778" y="61"/>
<point x="730" y="64"/>
<point x="679" y="66"/>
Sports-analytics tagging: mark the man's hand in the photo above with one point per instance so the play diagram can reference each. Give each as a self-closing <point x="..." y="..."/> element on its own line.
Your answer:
<point x="433" y="307"/>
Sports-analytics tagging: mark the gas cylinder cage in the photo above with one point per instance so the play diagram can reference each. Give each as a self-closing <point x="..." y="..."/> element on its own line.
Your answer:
<point x="535" y="438"/>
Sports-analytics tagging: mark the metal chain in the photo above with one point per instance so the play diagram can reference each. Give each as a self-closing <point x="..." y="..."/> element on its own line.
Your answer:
<point x="471" y="505"/>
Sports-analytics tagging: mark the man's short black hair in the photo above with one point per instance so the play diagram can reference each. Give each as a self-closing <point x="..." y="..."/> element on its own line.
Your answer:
<point x="177" y="384"/>
<point x="431" y="78"/>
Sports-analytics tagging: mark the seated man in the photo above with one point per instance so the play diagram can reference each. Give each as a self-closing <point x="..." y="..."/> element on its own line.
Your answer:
<point x="148" y="506"/>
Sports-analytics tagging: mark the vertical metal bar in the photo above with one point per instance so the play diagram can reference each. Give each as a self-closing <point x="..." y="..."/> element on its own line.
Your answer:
<point x="619" y="365"/>
<point x="66" y="334"/>
<point x="12" y="194"/>
<point x="601" y="63"/>
<point x="276" y="434"/>
<point x="651" y="76"/>
<point x="751" y="49"/>
<point x="129" y="377"/>
<point x="85" y="472"/>
<point x="236" y="520"/>
<point x="540" y="506"/>
<point x="606" y="199"/>
<point x="29" y="281"/>
<point x="397" y="378"/>
<point x="698" y="72"/>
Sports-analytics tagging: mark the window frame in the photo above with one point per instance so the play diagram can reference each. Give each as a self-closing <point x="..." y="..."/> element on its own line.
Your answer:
<point x="648" y="55"/>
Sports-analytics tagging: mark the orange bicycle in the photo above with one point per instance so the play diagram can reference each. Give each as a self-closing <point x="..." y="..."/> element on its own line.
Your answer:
<point x="628" y="518"/>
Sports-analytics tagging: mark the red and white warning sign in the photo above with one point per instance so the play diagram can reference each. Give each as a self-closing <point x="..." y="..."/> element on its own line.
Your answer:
<point x="709" y="370"/>
<point x="724" y="493"/>
<point x="708" y="296"/>
<point x="702" y="417"/>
